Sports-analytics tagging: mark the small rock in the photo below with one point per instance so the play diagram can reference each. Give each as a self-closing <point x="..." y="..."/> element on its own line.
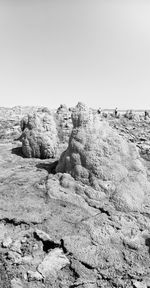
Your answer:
<point x="34" y="275"/>
<point x="45" y="237"/>
<point x="42" y="235"/>
<point x="35" y="246"/>
<point x="53" y="262"/>
<point x="138" y="284"/>
<point x="15" y="257"/>
<point x="16" y="246"/>
<point x="25" y="277"/>
<point x="23" y="240"/>
<point x="7" y="242"/>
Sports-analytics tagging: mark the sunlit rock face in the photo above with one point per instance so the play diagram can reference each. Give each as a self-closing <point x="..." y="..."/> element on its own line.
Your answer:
<point x="99" y="157"/>
<point x="39" y="137"/>
<point x="64" y="123"/>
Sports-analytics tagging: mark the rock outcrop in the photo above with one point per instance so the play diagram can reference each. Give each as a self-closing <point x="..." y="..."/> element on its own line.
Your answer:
<point x="98" y="156"/>
<point x="39" y="137"/>
<point x="64" y="123"/>
<point x="67" y="229"/>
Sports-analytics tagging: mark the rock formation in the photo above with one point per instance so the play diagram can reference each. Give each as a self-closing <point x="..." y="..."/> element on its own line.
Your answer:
<point x="89" y="228"/>
<point x="64" y="123"/>
<point x="98" y="156"/>
<point x="39" y="137"/>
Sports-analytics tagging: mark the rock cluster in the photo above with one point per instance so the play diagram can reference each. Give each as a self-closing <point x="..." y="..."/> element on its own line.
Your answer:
<point x="39" y="136"/>
<point x="87" y="225"/>
<point x="98" y="156"/>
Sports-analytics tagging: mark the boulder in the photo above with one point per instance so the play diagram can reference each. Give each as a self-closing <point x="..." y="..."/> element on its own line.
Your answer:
<point x="7" y="242"/>
<point x="39" y="137"/>
<point x="98" y="156"/>
<point x="44" y="237"/>
<point x="34" y="275"/>
<point x="54" y="261"/>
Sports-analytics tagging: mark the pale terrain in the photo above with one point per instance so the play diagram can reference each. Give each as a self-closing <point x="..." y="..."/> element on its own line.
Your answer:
<point x="81" y="218"/>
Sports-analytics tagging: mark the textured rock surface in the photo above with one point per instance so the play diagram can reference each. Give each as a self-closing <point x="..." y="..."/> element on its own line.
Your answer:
<point x="135" y="131"/>
<point x="42" y="212"/>
<point x="39" y="137"/>
<point x="53" y="262"/>
<point x="98" y="156"/>
<point x="64" y="126"/>
<point x="64" y="123"/>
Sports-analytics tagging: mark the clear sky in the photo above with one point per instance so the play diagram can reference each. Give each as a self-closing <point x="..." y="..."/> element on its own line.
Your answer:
<point x="65" y="51"/>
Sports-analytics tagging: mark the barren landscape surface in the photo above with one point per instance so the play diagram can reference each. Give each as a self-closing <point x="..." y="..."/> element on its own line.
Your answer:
<point x="74" y="198"/>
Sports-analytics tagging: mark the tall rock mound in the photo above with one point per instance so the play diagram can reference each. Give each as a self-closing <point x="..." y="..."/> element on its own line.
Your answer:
<point x="39" y="135"/>
<point x="64" y="123"/>
<point x="98" y="156"/>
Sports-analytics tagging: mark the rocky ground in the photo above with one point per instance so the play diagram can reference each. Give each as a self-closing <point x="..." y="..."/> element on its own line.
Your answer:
<point x="58" y="231"/>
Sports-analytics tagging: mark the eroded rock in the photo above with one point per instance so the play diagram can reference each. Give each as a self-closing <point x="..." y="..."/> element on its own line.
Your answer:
<point x="39" y="137"/>
<point x="99" y="157"/>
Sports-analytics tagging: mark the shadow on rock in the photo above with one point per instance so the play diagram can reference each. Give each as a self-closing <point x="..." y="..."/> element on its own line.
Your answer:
<point x="49" y="167"/>
<point x="17" y="151"/>
<point x="147" y="243"/>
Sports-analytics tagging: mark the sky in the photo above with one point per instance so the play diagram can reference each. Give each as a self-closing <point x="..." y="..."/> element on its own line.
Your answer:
<point x="56" y="52"/>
